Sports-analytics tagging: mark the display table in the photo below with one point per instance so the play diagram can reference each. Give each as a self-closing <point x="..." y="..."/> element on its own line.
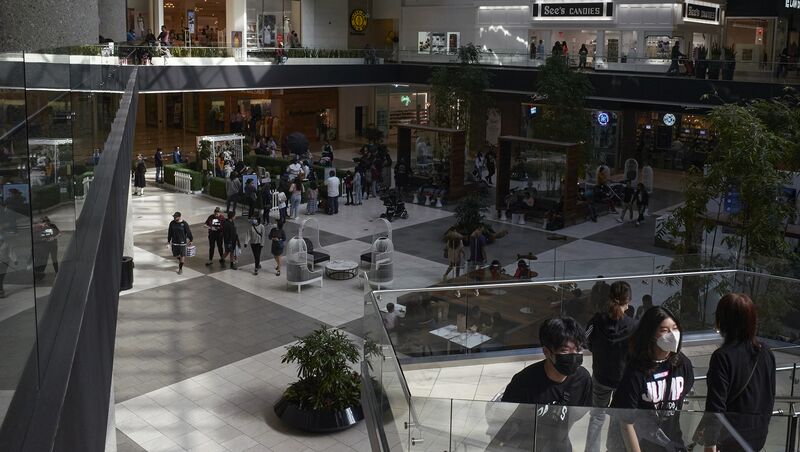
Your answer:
<point x="341" y="269"/>
<point x="466" y="339"/>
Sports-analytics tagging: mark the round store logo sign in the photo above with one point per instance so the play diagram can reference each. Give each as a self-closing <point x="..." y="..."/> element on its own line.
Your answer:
<point x="358" y="20"/>
<point x="669" y="119"/>
<point x="603" y="118"/>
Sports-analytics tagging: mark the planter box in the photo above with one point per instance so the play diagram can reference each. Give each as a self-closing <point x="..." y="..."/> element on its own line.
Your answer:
<point x="193" y="61"/>
<point x="325" y="61"/>
<point x="318" y="421"/>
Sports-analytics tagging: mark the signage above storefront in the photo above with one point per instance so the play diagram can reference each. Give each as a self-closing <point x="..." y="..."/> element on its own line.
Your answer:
<point x="573" y="11"/>
<point x="701" y="12"/>
<point x="359" y="20"/>
<point x="793" y="4"/>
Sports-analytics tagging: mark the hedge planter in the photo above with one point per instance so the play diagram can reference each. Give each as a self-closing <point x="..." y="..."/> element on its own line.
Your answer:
<point x="318" y="421"/>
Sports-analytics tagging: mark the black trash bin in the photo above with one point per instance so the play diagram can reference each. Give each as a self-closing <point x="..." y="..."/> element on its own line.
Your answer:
<point x="126" y="281"/>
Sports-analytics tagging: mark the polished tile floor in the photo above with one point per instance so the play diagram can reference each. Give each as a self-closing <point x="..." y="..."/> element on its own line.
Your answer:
<point x="197" y="363"/>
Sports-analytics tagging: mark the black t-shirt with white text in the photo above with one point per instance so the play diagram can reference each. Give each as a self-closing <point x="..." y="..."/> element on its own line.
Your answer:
<point x="556" y="413"/>
<point x="647" y="390"/>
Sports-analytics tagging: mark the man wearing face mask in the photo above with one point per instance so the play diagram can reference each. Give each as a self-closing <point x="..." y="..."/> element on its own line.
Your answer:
<point x="558" y="383"/>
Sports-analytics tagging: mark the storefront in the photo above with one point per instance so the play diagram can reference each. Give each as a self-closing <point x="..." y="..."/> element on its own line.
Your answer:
<point x="618" y="34"/>
<point x="673" y="140"/>
<point x="759" y="31"/>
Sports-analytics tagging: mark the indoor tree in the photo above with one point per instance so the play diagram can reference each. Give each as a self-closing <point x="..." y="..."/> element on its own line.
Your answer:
<point x="564" y="116"/>
<point x="459" y="94"/>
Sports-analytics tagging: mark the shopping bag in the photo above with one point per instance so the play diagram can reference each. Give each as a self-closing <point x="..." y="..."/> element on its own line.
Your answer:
<point x="191" y="251"/>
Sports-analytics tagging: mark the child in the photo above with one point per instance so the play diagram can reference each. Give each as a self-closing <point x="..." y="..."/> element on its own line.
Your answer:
<point x="313" y="196"/>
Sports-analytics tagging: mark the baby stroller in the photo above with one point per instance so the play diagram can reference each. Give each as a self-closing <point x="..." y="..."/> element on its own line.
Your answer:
<point x="395" y="207"/>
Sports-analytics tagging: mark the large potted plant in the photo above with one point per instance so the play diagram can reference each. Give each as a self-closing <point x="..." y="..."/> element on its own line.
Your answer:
<point x="728" y="63"/>
<point x="327" y="396"/>
<point x="701" y="66"/>
<point x="714" y="64"/>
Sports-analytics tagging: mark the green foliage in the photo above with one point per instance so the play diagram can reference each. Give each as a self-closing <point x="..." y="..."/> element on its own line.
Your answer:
<point x="469" y="214"/>
<point x="326" y="381"/>
<point x="469" y="54"/>
<point x="748" y="157"/>
<point x="373" y="135"/>
<point x="564" y="116"/>
<point x="460" y="100"/>
<point x="216" y="188"/>
<point x="204" y="151"/>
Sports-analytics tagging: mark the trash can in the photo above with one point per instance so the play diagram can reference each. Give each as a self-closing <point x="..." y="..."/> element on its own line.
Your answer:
<point x="126" y="280"/>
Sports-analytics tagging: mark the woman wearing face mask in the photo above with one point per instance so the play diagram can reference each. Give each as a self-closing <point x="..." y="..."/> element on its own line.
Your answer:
<point x="741" y="380"/>
<point x="657" y="377"/>
<point x="559" y="382"/>
<point x="257" y="237"/>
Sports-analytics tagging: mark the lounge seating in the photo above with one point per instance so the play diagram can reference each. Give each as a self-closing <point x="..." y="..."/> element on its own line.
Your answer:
<point x="299" y="270"/>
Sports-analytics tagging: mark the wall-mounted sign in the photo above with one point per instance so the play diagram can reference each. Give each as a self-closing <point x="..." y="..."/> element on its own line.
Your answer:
<point x="795" y="4"/>
<point x="359" y="20"/>
<point x="190" y="20"/>
<point x="453" y="42"/>
<point x="598" y="10"/>
<point x="669" y="119"/>
<point x="705" y="12"/>
<point x="603" y="118"/>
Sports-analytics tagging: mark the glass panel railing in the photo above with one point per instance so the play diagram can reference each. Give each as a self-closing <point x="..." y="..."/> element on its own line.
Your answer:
<point x="454" y="424"/>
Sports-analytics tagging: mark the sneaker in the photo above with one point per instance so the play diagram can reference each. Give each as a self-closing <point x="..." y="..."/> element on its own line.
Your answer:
<point x="255" y="272"/>
<point x="278" y="273"/>
<point x="222" y="262"/>
<point x="209" y="263"/>
<point x="620" y="220"/>
<point x="180" y="271"/>
<point x="234" y="266"/>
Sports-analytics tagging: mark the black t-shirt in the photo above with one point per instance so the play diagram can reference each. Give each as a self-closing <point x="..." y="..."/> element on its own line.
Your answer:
<point x="214" y="224"/>
<point x="646" y="390"/>
<point x="532" y="386"/>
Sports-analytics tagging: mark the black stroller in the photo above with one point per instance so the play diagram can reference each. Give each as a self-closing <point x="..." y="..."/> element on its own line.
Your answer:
<point x="395" y="207"/>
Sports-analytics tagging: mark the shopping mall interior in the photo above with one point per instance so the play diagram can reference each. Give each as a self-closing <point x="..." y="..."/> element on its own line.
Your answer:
<point x="429" y="199"/>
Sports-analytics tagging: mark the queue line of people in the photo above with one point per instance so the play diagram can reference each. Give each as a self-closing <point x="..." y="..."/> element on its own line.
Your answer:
<point x="641" y="372"/>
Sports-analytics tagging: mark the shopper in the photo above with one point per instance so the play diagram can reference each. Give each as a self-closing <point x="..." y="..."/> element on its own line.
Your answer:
<point x="348" y="188"/>
<point x="357" y="187"/>
<point x="490" y="167"/>
<point x="230" y="239"/>
<point x="642" y="199"/>
<point x="557" y="384"/>
<point x="657" y="378"/>
<point x="480" y="162"/>
<point x="251" y="195"/>
<point x="179" y="237"/>
<point x="332" y="185"/>
<point x="256" y="237"/>
<point x="294" y="169"/>
<point x="296" y="196"/>
<point x="647" y="303"/>
<point x="582" y="54"/>
<point x="233" y="187"/>
<point x="454" y="251"/>
<point x="158" y="162"/>
<point x="313" y="199"/>
<point x="741" y="381"/>
<point x="45" y="236"/>
<point x="367" y="177"/>
<point x="138" y="176"/>
<point x="277" y="237"/>
<point x="163" y="37"/>
<point x="266" y="202"/>
<point x="477" y="247"/>
<point x="176" y="155"/>
<point x="607" y="334"/>
<point x="676" y="55"/>
<point x="627" y="200"/>
<point x="282" y="207"/>
<point x="214" y="226"/>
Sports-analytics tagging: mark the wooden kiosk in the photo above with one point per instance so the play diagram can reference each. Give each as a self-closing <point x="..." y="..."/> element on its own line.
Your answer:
<point x="456" y="158"/>
<point x="570" y="189"/>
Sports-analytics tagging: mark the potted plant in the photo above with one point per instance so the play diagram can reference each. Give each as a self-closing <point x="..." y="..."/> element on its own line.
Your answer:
<point x="714" y="63"/>
<point x="327" y="396"/>
<point x="728" y="63"/>
<point x="701" y="66"/>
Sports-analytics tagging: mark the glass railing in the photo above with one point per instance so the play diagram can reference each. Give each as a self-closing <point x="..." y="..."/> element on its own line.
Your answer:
<point x="459" y="355"/>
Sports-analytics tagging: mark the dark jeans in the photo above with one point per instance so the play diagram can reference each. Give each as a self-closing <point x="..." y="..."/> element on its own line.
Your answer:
<point x="251" y="204"/>
<point x="265" y="214"/>
<point x="215" y="237"/>
<point x="256" y="247"/>
<point x="349" y="192"/>
<point x="232" y="199"/>
<point x="333" y="205"/>
<point x="282" y="213"/>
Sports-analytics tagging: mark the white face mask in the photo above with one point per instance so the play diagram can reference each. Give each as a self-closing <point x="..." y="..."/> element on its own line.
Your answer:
<point x="670" y="341"/>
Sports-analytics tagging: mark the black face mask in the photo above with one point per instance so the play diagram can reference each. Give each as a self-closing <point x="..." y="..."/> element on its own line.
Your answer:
<point x="567" y="363"/>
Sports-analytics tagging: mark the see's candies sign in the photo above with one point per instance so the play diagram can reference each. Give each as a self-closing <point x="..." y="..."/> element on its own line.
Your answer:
<point x="572" y="10"/>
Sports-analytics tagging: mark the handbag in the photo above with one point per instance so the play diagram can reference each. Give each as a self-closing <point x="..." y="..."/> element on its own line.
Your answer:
<point x="237" y="251"/>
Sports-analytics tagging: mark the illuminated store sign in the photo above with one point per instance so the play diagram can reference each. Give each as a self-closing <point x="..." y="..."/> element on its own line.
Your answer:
<point x="596" y="10"/>
<point x="795" y="4"/>
<point x="697" y="12"/>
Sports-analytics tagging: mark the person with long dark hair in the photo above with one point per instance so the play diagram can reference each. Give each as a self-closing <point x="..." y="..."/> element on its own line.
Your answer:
<point x="741" y="381"/>
<point x="607" y="336"/>
<point x="657" y="378"/>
